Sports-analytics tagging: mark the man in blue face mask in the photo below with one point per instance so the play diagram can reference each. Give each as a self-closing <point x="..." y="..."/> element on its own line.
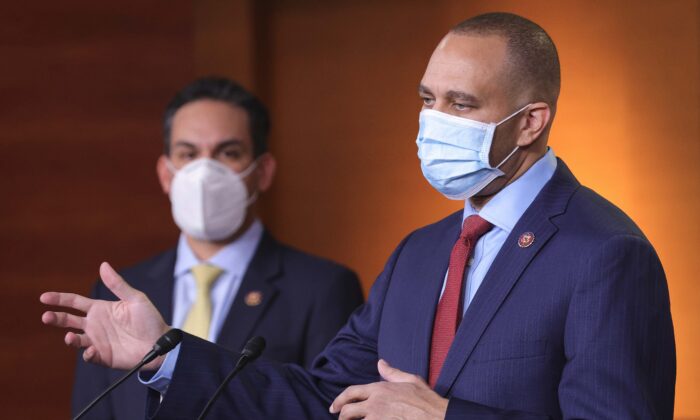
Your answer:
<point x="539" y="300"/>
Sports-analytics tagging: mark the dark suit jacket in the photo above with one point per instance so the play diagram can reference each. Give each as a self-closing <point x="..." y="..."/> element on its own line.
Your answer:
<point x="577" y="325"/>
<point x="305" y="302"/>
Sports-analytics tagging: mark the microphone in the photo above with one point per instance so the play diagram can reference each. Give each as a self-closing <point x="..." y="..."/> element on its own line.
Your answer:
<point x="165" y="343"/>
<point x="253" y="348"/>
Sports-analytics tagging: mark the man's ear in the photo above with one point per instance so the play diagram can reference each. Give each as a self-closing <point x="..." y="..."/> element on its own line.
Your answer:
<point x="267" y="166"/>
<point x="165" y="176"/>
<point x="536" y="120"/>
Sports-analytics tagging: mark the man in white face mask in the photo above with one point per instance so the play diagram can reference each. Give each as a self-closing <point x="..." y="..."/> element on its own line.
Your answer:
<point x="538" y="300"/>
<point x="228" y="279"/>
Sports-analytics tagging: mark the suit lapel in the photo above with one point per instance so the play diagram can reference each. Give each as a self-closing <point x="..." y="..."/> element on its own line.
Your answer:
<point x="505" y="271"/>
<point x="258" y="282"/>
<point x="431" y="278"/>
<point x="160" y="284"/>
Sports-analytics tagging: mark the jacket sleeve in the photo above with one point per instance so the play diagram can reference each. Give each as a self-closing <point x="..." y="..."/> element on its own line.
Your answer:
<point x="619" y="342"/>
<point x="269" y="390"/>
<point x="340" y="296"/>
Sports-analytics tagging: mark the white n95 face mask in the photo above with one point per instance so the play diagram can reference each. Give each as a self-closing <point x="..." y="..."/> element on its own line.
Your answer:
<point x="454" y="153"/>
<point x="209" y="200"/>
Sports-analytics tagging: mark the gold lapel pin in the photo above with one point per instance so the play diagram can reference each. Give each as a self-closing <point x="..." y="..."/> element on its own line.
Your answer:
<point x="526" y="239"/>
<point x="253" y="298"/>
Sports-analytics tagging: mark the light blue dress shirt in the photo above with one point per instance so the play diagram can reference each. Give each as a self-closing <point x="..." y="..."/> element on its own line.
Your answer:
<point x="503" y="211"/>
<point x="233" y="259"/>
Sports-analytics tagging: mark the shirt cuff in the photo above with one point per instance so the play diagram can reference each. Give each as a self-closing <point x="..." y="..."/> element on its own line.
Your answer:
<point x="160" y="380"/>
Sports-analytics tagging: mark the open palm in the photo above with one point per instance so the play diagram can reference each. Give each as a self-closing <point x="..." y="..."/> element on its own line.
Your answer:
<point x="113" y="333"/>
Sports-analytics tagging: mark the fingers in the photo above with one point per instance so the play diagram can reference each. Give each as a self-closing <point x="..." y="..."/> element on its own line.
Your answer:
<point x="392" y="374"/>
<point x="353" y="393"/>
<point x="357" y="410"/>
<point x="90" y="355"/>
<point x="116" y="283"/>
<point x="64" y="320"/>
<point x="66" y="300"/>
<point x="77" y="340"/>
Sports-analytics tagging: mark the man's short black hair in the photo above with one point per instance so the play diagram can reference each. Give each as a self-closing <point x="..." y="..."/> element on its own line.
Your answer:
<point x="532" y="55"/>
<point x="230" y="92"/>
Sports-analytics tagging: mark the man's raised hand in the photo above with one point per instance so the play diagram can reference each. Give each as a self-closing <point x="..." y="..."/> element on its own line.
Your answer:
<point x="115" y="334"/>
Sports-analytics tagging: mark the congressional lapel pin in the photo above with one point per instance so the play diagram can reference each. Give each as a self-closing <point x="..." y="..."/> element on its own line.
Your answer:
<point x="253" y="298"/>
<point x="526" y="239"/>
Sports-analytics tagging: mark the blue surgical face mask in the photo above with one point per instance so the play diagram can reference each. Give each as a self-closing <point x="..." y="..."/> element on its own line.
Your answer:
<point x="454" y="153"/>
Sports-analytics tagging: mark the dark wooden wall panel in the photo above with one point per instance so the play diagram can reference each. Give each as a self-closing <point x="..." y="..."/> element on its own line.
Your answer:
<point x="83" y="85"/>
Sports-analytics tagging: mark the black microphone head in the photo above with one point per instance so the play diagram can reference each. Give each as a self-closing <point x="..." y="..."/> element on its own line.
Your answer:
<point x="253" y="348"/>
<point x="167" y="342"/>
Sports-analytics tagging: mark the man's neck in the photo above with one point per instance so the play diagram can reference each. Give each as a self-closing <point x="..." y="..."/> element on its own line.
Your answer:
<point x="204" y="250"/>
<point x="479" y="201"/>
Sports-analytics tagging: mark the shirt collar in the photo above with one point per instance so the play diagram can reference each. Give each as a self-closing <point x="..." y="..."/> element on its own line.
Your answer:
<point x="229" y="258"/>
<point x="508" y="205"/>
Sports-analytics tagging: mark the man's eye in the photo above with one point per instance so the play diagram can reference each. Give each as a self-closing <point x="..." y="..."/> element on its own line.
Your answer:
<point x="185" y="155"/>
<point x="428" y="101"/>
<point x="465" y="107"/>
<point x="232" y="154"/>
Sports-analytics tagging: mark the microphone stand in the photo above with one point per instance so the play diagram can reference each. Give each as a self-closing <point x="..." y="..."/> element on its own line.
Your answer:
<point x="251" y="351"/>
<point x="164" y="344"/>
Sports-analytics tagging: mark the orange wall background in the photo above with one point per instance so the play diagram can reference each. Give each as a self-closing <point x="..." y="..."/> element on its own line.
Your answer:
<point x="85" y="84"/>
<point x="628" y="125"/>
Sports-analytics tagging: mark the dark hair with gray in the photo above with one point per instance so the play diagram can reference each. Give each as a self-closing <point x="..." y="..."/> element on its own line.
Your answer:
<point x="532" y="55"/>
<point x="225" y="90"/>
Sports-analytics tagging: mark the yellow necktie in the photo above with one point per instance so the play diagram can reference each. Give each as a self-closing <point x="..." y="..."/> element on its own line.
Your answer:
<point x="199" y="317"/>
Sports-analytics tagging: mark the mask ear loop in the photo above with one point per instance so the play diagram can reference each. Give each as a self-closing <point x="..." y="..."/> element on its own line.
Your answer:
<point x="244" y="174"/>
<point x="170" y="166"/>
<point x="247" y="171"/>
<point x="507" y="157"/>
<point x="516" y="147"/>
<point x="512" y="115"/>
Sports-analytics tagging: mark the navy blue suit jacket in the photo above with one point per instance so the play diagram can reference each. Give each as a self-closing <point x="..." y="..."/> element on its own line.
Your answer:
<point x="577" y="325"/>
<point x="306" y="300"/>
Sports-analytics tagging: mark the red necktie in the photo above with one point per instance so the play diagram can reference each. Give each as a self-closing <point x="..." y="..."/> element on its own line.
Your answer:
<point x="449" y="309"/>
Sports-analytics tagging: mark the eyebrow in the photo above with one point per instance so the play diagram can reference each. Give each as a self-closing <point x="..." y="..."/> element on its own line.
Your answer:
<point x="453" y="95"/>
<point x="462" y="96"/>
<point x="230" y="142"/>
<point x="423" y="89"/>
<point x="217" y="148"/>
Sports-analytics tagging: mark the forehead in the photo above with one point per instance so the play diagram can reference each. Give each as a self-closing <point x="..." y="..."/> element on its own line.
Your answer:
<point x="474" y="64"/>
<point x="207" y="122"/>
